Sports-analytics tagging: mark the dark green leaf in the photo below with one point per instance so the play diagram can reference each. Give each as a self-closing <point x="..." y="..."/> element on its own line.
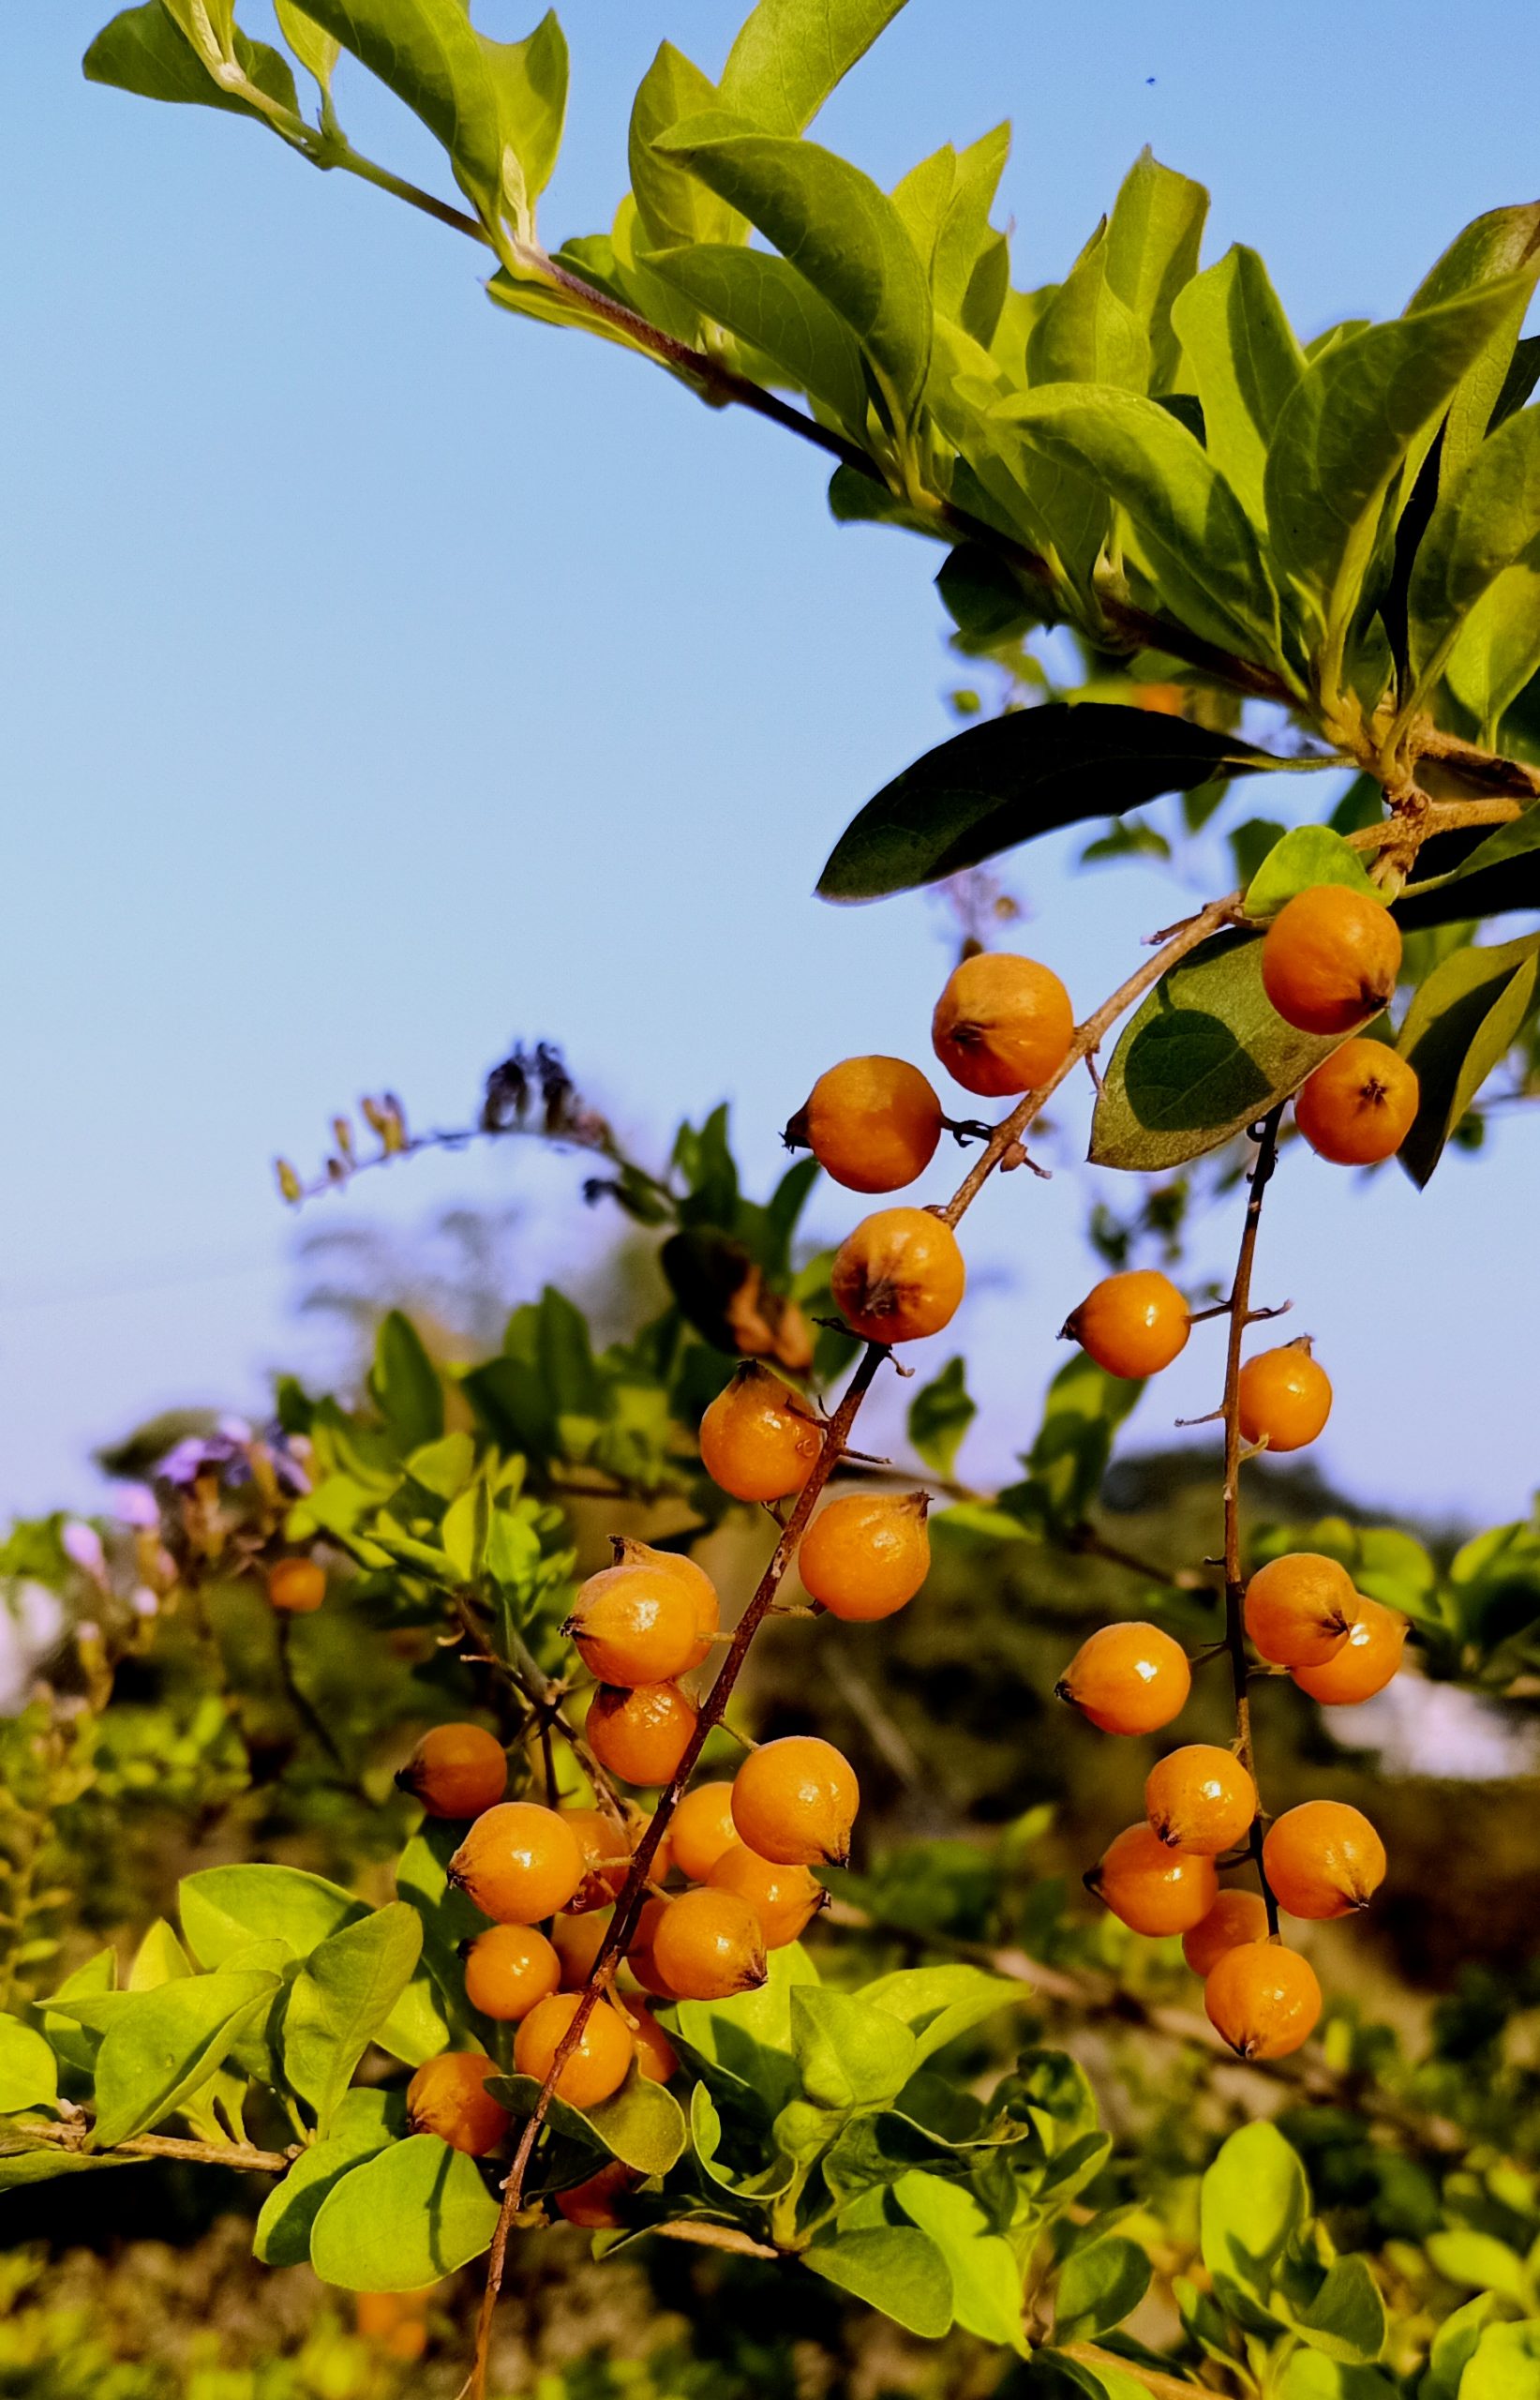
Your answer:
<point x="1308" y="855"/>
<point x="403" y="1383"/>
<point x="1245" y="361"/>
<point x="984" y="599"/>
<point x="764" y="300"/>
<point x="366" y="2122"/>
<point x="1461" y="1024"/>
<point x="402" y="2219"/>
<point x="642" y="2125"/>
<point x="1253" y="2201"/>
<point x="161" y="2044"/>
<point x="1153" y="240"/>
<point x="1099" y="2284"/>
<point x="1346" y="2320"/>
<point x="849" y="2053"/>
<point x="940" y="1414"/>
<point x="341" y="1997"/>
<point x="789" y="54"/>
<point x="429" y="54"/>
<point x="986" y="2281"/>
<point x="29" y="2074"/>
<point x="143" y="52"/>
<point x="892" y="2267"/>
<point x="1068" y="1457"/>
<point x="1485" y="522"/>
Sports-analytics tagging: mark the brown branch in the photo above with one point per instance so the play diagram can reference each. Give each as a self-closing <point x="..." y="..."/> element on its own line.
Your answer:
<point x="200" y="2153"/>
<point x="715" y="2236"/>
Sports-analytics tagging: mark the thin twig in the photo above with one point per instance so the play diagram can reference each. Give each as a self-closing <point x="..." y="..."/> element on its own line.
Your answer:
<point x="202" y="2154"/>
<point x="299" y="1702"/>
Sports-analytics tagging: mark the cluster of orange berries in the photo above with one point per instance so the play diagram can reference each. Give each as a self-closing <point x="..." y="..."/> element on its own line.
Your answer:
<point x="1329" y="962"/>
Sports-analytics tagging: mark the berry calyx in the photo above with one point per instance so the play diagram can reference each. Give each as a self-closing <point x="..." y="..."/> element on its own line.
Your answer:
<point x="1324" y="1859"/>
<point x="872" y="1124"/>
<point x="759" y="1439"/>
<point x="700" y="1829"/>
<point x="642" y="1733"/>
<point x="635" y="1625"/>
<point x="1201" y="1798"/>
<point x="1358" y="1106"/>
<point x="1330" y="959"/>
<point x="866" y="1554"/>
<point x="656" y="2057"/>
<point x="508" y="1969"/>
<point x="591" y="2204"/>
<point x="518" y="1863"/>
<point x="607" y="1859"/>
<point x="1003" y="1024"/>
<point x="1127" y="1678"/>
<point x="783" y="1899"/>
<point x="599" y="2064"/>
<point x="795" y="1802"/>
<point x="709" y="1945"/>
<point x="1300" y="1609"/>
<point x="1285" y="1398"/>
<point x="296" y="1586"/>
<point x="1234" y="1917"/>
<point x="1155" y="1890"/>
<point x="456" y="1771"/>
<point x="1262" y="1999"/>
<point x="899" y="1277"/>
<point x="448" y="2096"/>
<point x="696" y="1582"/>
<point x="1364" y="1661"/>
<point x="1131" y="1325"/>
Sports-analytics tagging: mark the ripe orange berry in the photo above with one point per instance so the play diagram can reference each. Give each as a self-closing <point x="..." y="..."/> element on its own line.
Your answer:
<point x="696" y="1582"/>
<point x="607" y="1859"/>
<point x="448" y="2096"/>
<point x="507" y="1969"/>
<point x="599" y="2064"/>
<point x="457" y="1770"/>
<point x="1131" y="1325"/>
<point x="1363" y="1662"/>
<point x="872" y="1123"/>
<point x="709" y="1945"/>
<point x="1127" y="1678"/>
<point x="1285" y="1398"/>
<point x="1201" y="1798"/>
<point x="795" y="1801"/>
<point x="1300" y="1608"/>
<point x="1330" y="959"/>
<point x="1003" y="1025"/>
<point x="593" y="2204"/>
<point x="1358" y="1106"/>
<point x="641" y="1735"/>
<point x="1154" y="1889"/>
<point x="396" y="2321"/>
<point x="1262" y="1999"/>
<point x="577" y="1941"/>
<point x="1234" y="1917"/>
<point x="783" y="1899"/>
<point x="700" y="1829"/>
<point x="635" y="1625"/>
<point x="866" y="1554"/>
<point x="899" y="1276"/>
<point x="518" y="1862"/>
<point x="296" y="1586"/>
<point x="640" y="1956"/>
<point x="656" y="2057"/>
<point x="1324" y="1859"/>
<point x="759" y="1438"/>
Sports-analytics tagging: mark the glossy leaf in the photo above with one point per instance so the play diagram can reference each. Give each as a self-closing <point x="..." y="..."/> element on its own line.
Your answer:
<point x="1253" y="2201"/>
<point x="945" y="204"/>
<point x="29" y="2073"/>
<point x="159" y="1960"/>
<point x="1013" y="778"/>
<point x="789" y="54"/>
<point x="1152" y="239"/>
<point x="143" y="52"/>
<point x="1346" y="2320"/>
<point x="403" y="2218"/>
<point x="341" y="1997"/>
<point x="642" y="2124"/>
<point x="225" y="1908"/>
<point x="1484" y="523"/>
<point x="315" y="49"/>
<point x="403" y="1383"/>
<point x="1085" y="333"/>
<point x="161" y="2044"/>
<point x="849" y="2053"/>
<point x="939" y="2003"/>
<point x="986" y="2281"/>
<point x="1497" y="654"/>
<point x="894" y="2268"/>
<point x="940" y="1414"/>
<point x="1308" y="855"/>
<point x="73" y="2038"/>
<point x="1461" y="1024"/>
<point x="1099" y="2284"/>
<point x="765" y="301"/>
<point x="364" y="2124"/>
<point x="429" y="54"/>
<point x="1245" y="361"/>
<point x="1204" y="1057"/>
<point x="673" y="208"/>
<point x="1501" y="244"/>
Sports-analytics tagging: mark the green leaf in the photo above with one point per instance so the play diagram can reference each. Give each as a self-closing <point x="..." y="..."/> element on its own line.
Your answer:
<point x="429" y="54"/>
<point x="1070" y="1454"/>
<point x="72" y="2039"/>
<point x="940" y="1414"/>
<point x="447" y="1917"/>
<point x="364" y="2124"/>
<point x="1346" y="2320"/>
<point x="892" y="2267"/>
<point x="466" y="1527"/>
<point x="836" y="228"/>
<point x="1099" y="2284"/>
<point x="317" y="50"/>
<point x="750" y="2036"/>
<point x="143" y="52"/>
<point x="1461" y="1024"/>
<point x="1479" y="2261"/>
<point x="1253" y="2201"/>
<point x="403" y="1383"/>
<point x="1454" y="2345"/>
<point x="1309" y="2376"/>
<point x="1086" y="333"/>
<point x="1245" y="361"/>
<point x="225" y="1908"/>
<point x="672" y="206"/>
<point x="1485" y="521"/>
<point x="765" y="301"/>
<point x="341" y="1997"/>
<point x="1153" y="240"/>
<point x="161" y="2044"/>
<point x="939" y="2003"/>
<point x="1311" y="854"/>
<point x="402" y="2219"/>
<point x="1497" y="653"/>
<point x="789" y="54"/>
<point x="1013" y="777"/>
<point x="986" y="2281"/>
<point x="1506" y="2364"/>
<point x="1501" y="244"/>
<point x="159" y="1960"/>
<point x="44" y="2163"/>
<point x="528" y="80"/>
<point x="849" y="2053"/>
<point x="444" y="1467"/>
<point x="945" y="204"/>
<point x="29" y="2074"/>
<point x="642" y="2124"/>
<point x="1204" y="1055"/>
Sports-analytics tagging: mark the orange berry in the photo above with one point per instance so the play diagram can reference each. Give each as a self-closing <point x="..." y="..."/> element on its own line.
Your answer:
<point x="639" y="1955"/>
<point x="872" y="1123"/>
<point x="700" y="1829"/>
<point x="641" y="1735"/>
<point x="607" y="1859"/>
<point x="656" y="2057"/>
<point x="696" y="1580"/>
<point x="577" y="1941"/>
<point x="1262" y="1999"/>
<point x="1127" y="1678"/>
<point x="795" y="1801"/>
<point x="448" y="2096"/>
<point x="1358" y="1106"/>
<point x="1330" y="959"/>
<point x="457" y="1770"/>
<point x="1201" y="1798"/>
<point x="709" y="1945"/>
<point x="759" y="1439"/>
<point x="1363" y="1662"/>
<point x="1154" y="1889"/>
<point x="507" y="1969"/>
<point x="1003" y="1024"/>
<point x="1285" y="1398"/>
<point x="1131" y="1325"/>
<point x="1234" y="1917"/>
<point x="396" y="2321"/>
<point x="866" y="1554"/>
<point x="1300" y="1608"/>
<point x="599" y="2064"/>
<point x="1324" y="1859"/>
<point x="518" y="1862"/>
<point x="783" y="1899"/>
<point x="296" y="1586"/>
<point x="635" y="1625"/>
<point x="899" y="1276"/>
<point x="591" y="2204"/>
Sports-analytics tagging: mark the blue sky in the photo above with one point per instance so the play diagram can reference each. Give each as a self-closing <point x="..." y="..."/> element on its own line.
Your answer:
<point x="387" y="679"/>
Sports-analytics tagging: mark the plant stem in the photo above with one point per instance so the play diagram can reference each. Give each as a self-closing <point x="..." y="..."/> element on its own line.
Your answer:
<point x="201" y="2154"/>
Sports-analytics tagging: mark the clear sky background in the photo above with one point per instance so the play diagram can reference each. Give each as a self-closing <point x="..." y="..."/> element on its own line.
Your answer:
<point x="385" y="679"/>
